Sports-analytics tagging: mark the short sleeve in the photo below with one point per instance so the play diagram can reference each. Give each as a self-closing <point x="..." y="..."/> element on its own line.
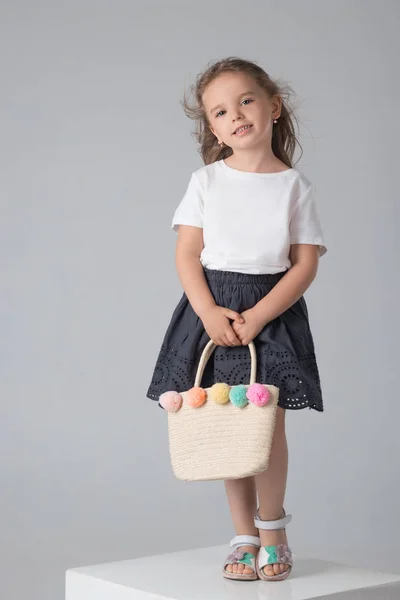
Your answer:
<point x="190" y="210"/>
<point x="305" y="226"/>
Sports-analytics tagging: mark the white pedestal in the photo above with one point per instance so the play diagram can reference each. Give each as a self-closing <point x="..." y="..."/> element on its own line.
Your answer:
<point x="196" y="575"/>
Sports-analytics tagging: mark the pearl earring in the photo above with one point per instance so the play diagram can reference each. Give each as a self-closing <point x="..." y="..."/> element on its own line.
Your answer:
<point x="220" y="144"/>
<point x="275" y="120"/>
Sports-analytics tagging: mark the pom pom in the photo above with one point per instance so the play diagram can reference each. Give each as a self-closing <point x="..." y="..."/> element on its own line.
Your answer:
<point x="196" y="397"/>
<point x="170" y="401"/>
<point x="220" y="393"/>
<point x="258" y="394"/>
<point x="237" y="396"/>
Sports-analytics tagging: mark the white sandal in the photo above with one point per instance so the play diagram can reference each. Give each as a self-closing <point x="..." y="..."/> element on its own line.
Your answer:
<point x="270" y="555"/>
<point x="244" y="558"/>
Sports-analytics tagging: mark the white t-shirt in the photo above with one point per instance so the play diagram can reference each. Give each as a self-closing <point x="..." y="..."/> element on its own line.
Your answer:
<point x="249" y="220"/>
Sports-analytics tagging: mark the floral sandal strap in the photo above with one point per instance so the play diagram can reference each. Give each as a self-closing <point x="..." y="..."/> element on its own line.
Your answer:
<point x="239" y="557"/>
<point x="271" y="555"/>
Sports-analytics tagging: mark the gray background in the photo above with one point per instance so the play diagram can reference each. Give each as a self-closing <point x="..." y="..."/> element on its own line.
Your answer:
<point x="95" y="155"/>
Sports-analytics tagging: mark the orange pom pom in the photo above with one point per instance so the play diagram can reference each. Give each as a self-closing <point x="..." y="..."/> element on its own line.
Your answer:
<point x="196" y="397"/>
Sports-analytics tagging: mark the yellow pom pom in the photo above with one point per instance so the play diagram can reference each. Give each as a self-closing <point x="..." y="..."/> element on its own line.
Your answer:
<point x="220" y="393"/>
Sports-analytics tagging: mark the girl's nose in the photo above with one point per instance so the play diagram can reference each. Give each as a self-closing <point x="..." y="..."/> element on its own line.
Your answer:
<point x="237" y="117"/>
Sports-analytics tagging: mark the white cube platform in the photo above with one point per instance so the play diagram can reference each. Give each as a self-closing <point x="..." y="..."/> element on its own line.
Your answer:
<point x="196" y="575"/>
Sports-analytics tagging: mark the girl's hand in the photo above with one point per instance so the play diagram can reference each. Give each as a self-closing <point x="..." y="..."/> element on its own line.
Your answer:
<point x="247" y="331"/>
<point x="216" y="321"/>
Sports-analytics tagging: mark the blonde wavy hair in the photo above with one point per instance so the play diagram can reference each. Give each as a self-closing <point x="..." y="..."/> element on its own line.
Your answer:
<point x="284" y="139"/>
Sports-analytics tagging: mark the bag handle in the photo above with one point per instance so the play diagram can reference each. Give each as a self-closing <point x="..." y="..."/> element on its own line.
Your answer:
<point x="209" y="349"/>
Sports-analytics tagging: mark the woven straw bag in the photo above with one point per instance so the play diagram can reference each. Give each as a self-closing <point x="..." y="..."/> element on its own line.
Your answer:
<point x="217" y="437"/>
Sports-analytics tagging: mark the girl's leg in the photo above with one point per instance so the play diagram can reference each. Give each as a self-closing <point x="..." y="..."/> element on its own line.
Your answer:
<point x="242" y="499"/>
<point x="271" y="487"/>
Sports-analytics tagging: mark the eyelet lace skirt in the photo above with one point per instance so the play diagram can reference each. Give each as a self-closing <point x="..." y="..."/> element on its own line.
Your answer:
<point x="285" y="347"/>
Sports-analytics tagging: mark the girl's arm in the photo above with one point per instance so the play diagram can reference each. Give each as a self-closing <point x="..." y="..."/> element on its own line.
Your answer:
<point x="289" y="289"/>
<point x="190" y="270"/>
<point x="216" y="319"/>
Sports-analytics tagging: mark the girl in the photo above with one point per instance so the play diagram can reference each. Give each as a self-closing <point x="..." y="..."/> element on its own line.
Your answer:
<point x="248" y="246"/>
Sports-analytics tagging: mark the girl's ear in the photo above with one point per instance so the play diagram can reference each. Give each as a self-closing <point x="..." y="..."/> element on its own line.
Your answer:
<point x="277" y="105"/>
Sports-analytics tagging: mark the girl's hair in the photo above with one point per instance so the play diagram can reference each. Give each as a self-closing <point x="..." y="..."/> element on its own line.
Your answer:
<point x="284" y="139"/>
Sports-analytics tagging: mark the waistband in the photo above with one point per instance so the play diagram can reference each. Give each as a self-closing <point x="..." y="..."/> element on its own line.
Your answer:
<point x="233" y="277"/>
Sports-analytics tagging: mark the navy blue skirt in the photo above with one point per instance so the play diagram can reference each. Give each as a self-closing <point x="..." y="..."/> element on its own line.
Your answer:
<point x="285" y="347"/>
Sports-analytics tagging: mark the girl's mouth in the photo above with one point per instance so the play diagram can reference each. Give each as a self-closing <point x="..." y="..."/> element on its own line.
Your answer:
<point x="242" y="130"/>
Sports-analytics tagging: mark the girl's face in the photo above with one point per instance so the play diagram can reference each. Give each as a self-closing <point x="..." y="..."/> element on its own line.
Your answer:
<point x="234" y="100"/>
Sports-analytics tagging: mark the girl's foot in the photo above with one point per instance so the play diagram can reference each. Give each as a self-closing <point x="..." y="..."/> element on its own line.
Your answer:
<point x="240" y="564"/>
<point x="274" y="538"/>
<point x="275" y="558"/>
<point x="240" y="568"/>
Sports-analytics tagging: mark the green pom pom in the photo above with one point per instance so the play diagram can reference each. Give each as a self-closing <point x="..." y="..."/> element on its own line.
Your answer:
<point x="238" y="397"/>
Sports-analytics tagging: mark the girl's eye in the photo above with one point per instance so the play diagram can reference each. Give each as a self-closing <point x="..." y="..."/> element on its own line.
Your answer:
<point x="245" y="100"/>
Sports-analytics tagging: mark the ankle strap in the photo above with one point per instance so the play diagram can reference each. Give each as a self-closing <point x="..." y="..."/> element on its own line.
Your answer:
<point x="245" y="540"/>
<point x="272" y="525"/>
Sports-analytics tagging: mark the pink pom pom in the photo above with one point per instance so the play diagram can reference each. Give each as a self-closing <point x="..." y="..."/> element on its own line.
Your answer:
<point x="170" y="401"/>
<point x="258" y="394"/>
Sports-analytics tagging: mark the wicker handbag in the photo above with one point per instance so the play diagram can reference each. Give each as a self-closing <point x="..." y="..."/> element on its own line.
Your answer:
<point x="221" y="432"/>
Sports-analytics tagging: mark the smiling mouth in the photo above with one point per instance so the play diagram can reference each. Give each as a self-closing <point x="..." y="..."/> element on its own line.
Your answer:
<point x="241" y="130"/>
